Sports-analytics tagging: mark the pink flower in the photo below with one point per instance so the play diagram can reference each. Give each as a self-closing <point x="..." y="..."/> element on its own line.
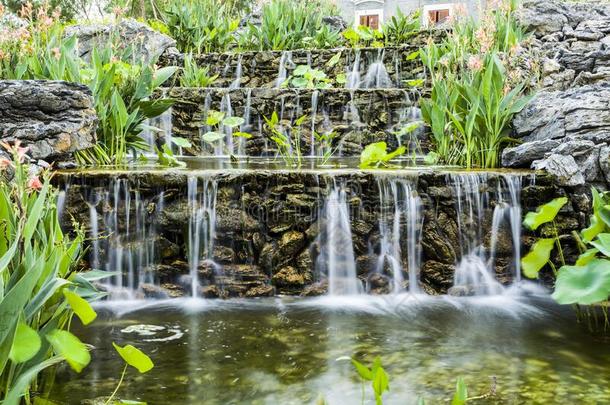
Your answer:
<point x="4" y="163"/>
<point x="34" y="183"/>
<point x="56" y="53"/>
<point x="475" y="63"/>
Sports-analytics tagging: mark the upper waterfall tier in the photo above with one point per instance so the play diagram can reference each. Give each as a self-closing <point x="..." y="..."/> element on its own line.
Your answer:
<point x="352" y="118"/>
<point x="345" y="67"/>
<point x="223" y="229"/>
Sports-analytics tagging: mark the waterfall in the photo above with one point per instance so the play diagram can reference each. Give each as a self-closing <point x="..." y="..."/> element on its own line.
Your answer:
<point x="237" y="82"/>
<point x="285" y="64"/>
<point x="124" y="237"/>
<point x="207" y="104"/>
<point x="353" y="76"/>
<point x="314" y="111"/>
<point x="246" y="126"/>
<point x="227" y="109"/>
<point x="202" y="227"/>
<point x="400" y="224"/>
<point x="377" y="76"/>
<point x="475" y="270"/>
<point x="337" y="259"/>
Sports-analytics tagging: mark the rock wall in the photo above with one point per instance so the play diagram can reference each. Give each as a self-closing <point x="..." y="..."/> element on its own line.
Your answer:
<point x="55" y="119"/>
<point x="565" y="130"/>
<point x="268" y="224"/>
<point x="262" y="69"/>
<point x="358" y="117"/>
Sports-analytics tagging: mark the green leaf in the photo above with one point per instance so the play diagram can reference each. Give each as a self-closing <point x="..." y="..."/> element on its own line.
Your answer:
<point x="233" y="122"/>
<point x="545" y="213"/>
<point x="301" y="70"/>
<point x="586" y="257"/>
<point x="341" y="78"/>
<point x="81" y="307"/>
<point x="70" y="347"/>
<point x="413" y="55"/>
<point x="25" y="344"/>
<point x="415" y="82"/>
<point x="583" y="285"/>
<point x="242" y="135"/>
<point x="334" y="60"/>
<point x="299" y="82"/>
<point x="381" y="382"/>
<point x="134" y="357"/>
<point x="363" y="371"/>
<point x="212" y="137"/>
<point x="431" y="158"/>
<point x="181" y="142"/>
<point x="537" y="258"/>
<point x="214" y="117"/>
<point x="461" y="393"/>
<point x="602" y="243"/>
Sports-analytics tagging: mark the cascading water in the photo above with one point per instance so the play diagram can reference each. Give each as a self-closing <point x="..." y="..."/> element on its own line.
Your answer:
<point x="202" y="228"/>
<point x="159" y="128"/>
<point x="236" y="83"/>
<point x="314" y="111"/>
<point x="226" y="108"/>
<point x="126" y="245"/>
<point x="400" y="224"/>
<point x="377" y="76"/>
<point x="475" y="271"/>
<point x="285" y="64"/>
<point x="337" y="259"/>
<point x="353" y="76"/>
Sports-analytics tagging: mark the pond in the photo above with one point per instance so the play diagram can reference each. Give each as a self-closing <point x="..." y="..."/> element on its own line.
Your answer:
<point x="289" y="350"/>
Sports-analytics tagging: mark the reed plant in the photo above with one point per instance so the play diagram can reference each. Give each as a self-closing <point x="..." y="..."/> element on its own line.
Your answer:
<point x="40" y="287"/>
<point x="475" y="93"/>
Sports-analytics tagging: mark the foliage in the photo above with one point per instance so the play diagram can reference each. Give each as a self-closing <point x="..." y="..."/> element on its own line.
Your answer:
<point x="291" y="25"/>
<point x="133" y="357"/>
<point x="540" y="253"/>
<point x="461" y="393"/>
<point x="363" y="36"/>
<point x="380" y="381"/>
<point x="376" y="155"/>
<point x="40" y="288"/>
<point x="218" y="121"/>
<point x="201" y="26"/>
<point x="287" y="139"/>
<point x="474" y="93"/>
<point x="304" y="77"/>
<point x="588" y="280"/>
<point x="121" y="91"/>
<point x="195" y="76"/>
<point x="401" y="28"/>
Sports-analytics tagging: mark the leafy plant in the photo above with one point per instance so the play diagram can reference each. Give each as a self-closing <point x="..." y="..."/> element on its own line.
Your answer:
<point x="363" y="36"/>
<point x="304" y="77"/>
<point x="287" y="139"/>
<point x="133" y="357"/>
<point x="380" y="381"/>
<point x="217" y="121"/>
<point x="376" y="155"/>
<point x="325" y="142"/>
<point x="195" y="76"/>
<point x="401" y="28"/>
<point x="41" y="289"/>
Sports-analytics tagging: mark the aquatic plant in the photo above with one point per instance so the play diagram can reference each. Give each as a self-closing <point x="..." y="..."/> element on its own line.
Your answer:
<point x="41" y="289"/>
<point x="287" y="139"/>
<point x="134" y="357"/>
<point x="217" y="121"/>
<point x="193" y="75"/>
<point x="474" y="93"/>
<point x="380" y="381"/>
<point x="376" y="155"/>
<point x="304" y="77"/>
<point x="363" y="36"/>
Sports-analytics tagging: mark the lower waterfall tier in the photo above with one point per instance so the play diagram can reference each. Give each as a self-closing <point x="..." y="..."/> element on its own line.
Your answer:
<point x="248" y="233"/>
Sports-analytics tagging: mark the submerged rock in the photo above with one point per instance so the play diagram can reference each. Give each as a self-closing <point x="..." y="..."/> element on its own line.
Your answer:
<point x="54" y="119"/>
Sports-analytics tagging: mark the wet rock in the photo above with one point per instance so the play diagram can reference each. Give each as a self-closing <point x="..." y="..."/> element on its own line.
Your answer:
<point x="153" y="291"/>
<point x="316" y="289"/>
<point x="564" y="168"/>
<point x="290" y="243"/>
<point x="261" y="291"/>
<point x="224" y="254"/>
<point x="288" y="277"/>
<point x="438" y="275"/>
<point x="54" y="119"/>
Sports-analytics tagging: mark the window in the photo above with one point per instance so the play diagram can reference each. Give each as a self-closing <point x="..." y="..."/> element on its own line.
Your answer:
<point x="371" y="21"/>
<point x="436" y="14"/>
<point x="436" y="17"/>
<point x="372" y="18"/>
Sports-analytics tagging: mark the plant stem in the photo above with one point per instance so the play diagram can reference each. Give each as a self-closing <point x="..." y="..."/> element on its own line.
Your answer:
<point x="118" y="385"/>
<point x="558" y="242"/>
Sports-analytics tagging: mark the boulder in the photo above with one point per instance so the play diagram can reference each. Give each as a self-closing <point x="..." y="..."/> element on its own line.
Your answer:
<point x="146" y="44"/>
<point x="564" y="132"/>
<point x="54" y="119"/>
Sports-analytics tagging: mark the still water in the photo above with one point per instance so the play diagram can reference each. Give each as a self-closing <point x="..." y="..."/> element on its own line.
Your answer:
<point x="288" y="351"/>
